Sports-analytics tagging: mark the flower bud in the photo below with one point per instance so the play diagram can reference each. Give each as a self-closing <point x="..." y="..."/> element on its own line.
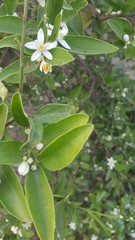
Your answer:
<point x="39" y="146"/>
<point x="126" y="38"/>
<point x="23" y="168"/>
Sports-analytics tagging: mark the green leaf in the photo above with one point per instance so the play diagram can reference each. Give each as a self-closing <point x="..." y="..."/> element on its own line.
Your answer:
<point x="10" y="152"/>
<point x="53" y="112"/>
<point x="64" y="149"/>
<point x="60" y="57"/>
<point x="13" y="70"/>
<point x="40" y="202"/>
<point x="60" y="219"/>
<point x="76" y="6"/>
<point x="10" y="6"/>
<point x="89" y="46"/>
<point x="53" y="8"/>
<point x="10" y="24"/>
<point x="35" y="135"/>
<point x="18" y="111"/>
<point x="66" y="6"/>
<point x="3" y="118"/>
<point x="11" y="194"/>
<point x="120" y="26"/>
<point x="3" y="91"/>
<point x="52" y="131"/>
<point x="77" y="24"/>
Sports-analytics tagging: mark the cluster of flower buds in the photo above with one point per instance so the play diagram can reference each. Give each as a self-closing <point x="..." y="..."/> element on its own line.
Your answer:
<point x="116" y="12"/>
<point x="28" y="163"/>
<point x="126" y="40"/>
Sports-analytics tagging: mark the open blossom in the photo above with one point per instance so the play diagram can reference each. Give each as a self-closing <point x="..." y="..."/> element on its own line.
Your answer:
<point x="23" y="168"/>
<point x="111" y="163"/>
<point x="45" y="67"/>
<point x="41" y="2"/>
<point x="42" y="49"/>
<point x="62" y="33"/>
<point x="72" y="225"/>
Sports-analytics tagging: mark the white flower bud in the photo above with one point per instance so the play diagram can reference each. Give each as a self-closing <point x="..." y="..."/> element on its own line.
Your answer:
<point x="34" y="167"/>
<point x="39" y="146"/>
<point x="126" y="38"/>
<point x="14" y="229"/>
<point x="23" y="168"/>
<point x="30" y="160"/>
<point x="98" y="10"/>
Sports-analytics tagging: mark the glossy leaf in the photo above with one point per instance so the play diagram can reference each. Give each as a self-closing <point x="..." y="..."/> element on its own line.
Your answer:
<point x="13" y="70"/>
<point x="11" y="194"/>
<point x="10" y="24"/>
<point x="120" y="26"/>
<point x="60" y="57"/>
<point x="40" y="202"/>
<point x="10" y="152"/>
<point x="89" y="46"/>
<point x="3" y="91"/>
<point x="54" y="130"/>
<point x="3" y="118"/>
<point x="76" y="6"/>
<point x="64" y="149"/>
<point x="53" y="112"/>
<point x="53" y="8"/>
<point x="35" y="135"/>
<point x="18" y="111"/>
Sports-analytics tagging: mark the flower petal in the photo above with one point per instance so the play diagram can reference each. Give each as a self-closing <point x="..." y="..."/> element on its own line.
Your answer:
<point x="40" y="35"/>
<point x="49" y="46"/>
<point x="64" y="43"/>
<point x="48" y="55"/>
<point x="41" y="2"/>
<point x="31" y="45"/>
<point x="35" y="55"/>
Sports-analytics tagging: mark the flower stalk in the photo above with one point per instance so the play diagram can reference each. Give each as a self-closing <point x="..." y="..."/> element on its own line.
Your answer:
<point x="24" y="24"/>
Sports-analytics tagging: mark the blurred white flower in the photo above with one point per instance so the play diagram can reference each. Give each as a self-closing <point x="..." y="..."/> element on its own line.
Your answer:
<point x="72" y="225"/>
<point x="45" y="67"/>
<point x="62" y="33"/>
<point x="41" y="2"/>
<point x="98" y="10"/>
<point x="115" y="211"/>
<point x="23" y="168"/>
<point x="19" y="233"/>
<point x="109" y="138"/>
<point x="111" y="163"/>
<point x="126" y="38"/>
<point x="41" y="47"/>
<point x="39" y="146"/>
<point x="26" y="225"/>
<point x="27" y="130"/>
<point x="33" y="167"/>
<point x="30" y="160"/>
<point x="14" y="229"/>
<point x="49" y="29"/>
<point x="94" y="237"/>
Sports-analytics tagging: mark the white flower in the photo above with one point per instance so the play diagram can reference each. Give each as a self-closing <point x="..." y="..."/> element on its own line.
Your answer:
<point x="39" y="146"/>
<point x="33" y="167"/>
<point x="45" y="67"/>
<point x="14" y="229"/>
<point x="111" y="163"/>
<point x="115" y="211"/>
<point x="109" y="138"/>
<point x="72" y="225"/>
<point x="62" y="33"/>
<point x="126" y="38"/>
<point x="94" y="237"/>
<point x="30" y="160"/>
<point x="41" y="47"/>
<point x="41" y="2"/>
<point x="23" y="168"/>
<point x="20" y="233"/>
<point x="26" y="225"/>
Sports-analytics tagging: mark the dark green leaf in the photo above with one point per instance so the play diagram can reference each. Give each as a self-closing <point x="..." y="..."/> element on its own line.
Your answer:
<point x="3" y="118"/>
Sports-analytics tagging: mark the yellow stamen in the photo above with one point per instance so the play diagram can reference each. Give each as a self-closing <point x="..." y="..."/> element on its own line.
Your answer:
<point x="46" y="67"/>
<point x="41" y="47"/>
